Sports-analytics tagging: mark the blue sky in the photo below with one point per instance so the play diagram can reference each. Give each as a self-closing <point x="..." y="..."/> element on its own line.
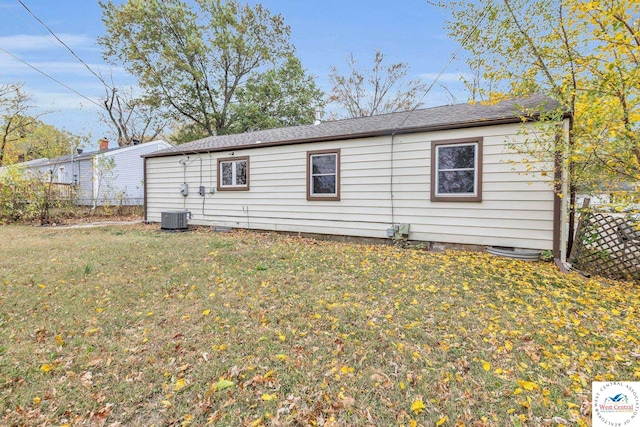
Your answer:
<point x="324" y="33"/>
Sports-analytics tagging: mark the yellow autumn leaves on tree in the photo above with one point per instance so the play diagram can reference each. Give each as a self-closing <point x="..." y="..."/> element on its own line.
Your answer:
<point x="584" y="54"/>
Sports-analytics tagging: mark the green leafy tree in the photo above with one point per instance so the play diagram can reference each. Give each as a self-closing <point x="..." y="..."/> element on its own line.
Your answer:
<point x="15" y="121"/>
<point x="285" y="96"/>
<point x="43" y="140"/>
<point x="186" y="132"/>
<point x="193" y="58"/>
<point x="382" y="89"/>
<point x="27" y="135"/>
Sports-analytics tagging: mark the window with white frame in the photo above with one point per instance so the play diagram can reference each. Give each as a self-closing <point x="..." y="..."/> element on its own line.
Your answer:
<point x="323" y="175"/>
<point x="456" y="170"/>
<point x="233" y="174"/>
<point x="62" y="174"/>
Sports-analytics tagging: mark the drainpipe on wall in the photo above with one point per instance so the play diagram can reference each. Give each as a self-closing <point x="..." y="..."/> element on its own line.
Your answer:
<point x="144" y="187"/>
<point x="559" y="205"/>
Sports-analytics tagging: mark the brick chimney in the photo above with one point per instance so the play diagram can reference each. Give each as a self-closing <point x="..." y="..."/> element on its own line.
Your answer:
<point x="104" y="144"/>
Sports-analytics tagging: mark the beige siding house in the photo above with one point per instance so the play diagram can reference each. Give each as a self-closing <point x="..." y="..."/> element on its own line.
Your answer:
<point x="439" y="175"/>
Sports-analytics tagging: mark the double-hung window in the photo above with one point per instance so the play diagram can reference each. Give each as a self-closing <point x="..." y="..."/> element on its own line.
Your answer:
<point x="456" y="170"/>
<point x="323" y="175"/>
<point x="233" y="174"/>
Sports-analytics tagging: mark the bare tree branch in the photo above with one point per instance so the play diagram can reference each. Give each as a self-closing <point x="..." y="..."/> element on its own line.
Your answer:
<point x="383" y="89"/>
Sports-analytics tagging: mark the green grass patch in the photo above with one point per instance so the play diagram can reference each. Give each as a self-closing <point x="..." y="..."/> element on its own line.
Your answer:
<point x="135" y="326"/>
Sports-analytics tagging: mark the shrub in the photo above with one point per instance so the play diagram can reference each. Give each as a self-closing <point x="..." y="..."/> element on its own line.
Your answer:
<point x="26" y="197"/>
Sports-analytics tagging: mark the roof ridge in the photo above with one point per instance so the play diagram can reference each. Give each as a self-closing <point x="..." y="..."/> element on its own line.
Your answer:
<point x="422" y="119"/>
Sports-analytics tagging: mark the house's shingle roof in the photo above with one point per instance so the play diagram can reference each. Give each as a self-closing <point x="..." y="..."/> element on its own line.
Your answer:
<point x="82" y="156"/>
<point x="87" y="155"/>
<point x="435" y="118"/>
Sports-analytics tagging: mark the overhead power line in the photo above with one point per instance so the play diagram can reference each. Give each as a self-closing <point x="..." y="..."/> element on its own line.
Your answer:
<point x="49" y="77"/>
<point x="65" y="45"/>
<point x="485" y="11"/>
<point x="76" y="56"/>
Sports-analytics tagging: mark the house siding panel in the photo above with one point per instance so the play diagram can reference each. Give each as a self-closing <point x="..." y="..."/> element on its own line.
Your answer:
<point x="124" y="185"/>
<point x="517" y="208"/>
<point x="84" y="191"/>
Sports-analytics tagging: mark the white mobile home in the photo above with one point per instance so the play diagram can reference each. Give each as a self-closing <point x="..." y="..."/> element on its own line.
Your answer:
<point x="443" y="175"/>
<point x="108" y="176"/>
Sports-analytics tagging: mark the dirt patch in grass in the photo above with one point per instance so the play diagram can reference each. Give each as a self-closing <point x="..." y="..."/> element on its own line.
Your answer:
<point x="83" y="216"/>
<point x="135" y="326"/>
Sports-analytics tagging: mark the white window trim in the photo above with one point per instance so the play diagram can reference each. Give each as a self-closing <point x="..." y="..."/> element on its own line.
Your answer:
<point x="311" y="195"/>
<point x="235" y="186"/>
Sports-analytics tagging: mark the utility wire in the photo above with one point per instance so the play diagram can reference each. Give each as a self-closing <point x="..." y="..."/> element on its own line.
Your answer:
<point x="49" y="77"/>
<point x="65" y="45"/>
<point x="415" y="107"/>
<point x="79" y="59"/>
<point x="102" y="80"/>
<point x="451" y="58"/>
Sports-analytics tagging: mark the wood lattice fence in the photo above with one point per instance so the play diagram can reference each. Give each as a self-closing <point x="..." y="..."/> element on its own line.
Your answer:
<point x="607" y="245"/>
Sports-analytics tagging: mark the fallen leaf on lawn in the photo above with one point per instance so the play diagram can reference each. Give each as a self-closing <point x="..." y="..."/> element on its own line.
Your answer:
<point x="87" y="379"/>
<point x="560" y="420"/>
<point x="528" y="385"/>
<point x="59" y="340"/>
<point x="268" y="397"/>
<point x="486" y="365"/>
<point x="46" y="367"/>
<point x="222" y="384"/>
<point x="417" y="406"/>
<point x="180" y="384"/>
<point x="442" y="421"/>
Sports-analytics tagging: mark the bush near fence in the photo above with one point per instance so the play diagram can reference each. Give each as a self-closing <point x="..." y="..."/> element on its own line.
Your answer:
<point x="27" y="197"/>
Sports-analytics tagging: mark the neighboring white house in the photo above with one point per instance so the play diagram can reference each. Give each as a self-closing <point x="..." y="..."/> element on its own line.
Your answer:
<point x="445" y="174"/>
<point x="108" y="176"/>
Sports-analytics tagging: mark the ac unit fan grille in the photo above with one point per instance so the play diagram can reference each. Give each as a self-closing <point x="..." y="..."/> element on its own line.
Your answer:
<point x="175" y="220"/>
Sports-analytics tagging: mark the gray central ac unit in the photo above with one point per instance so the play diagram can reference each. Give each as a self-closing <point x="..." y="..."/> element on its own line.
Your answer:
<point x="175" y="220"/>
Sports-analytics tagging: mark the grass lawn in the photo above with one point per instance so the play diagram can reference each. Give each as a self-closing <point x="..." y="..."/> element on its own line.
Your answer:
<point x="133" y="326"/>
